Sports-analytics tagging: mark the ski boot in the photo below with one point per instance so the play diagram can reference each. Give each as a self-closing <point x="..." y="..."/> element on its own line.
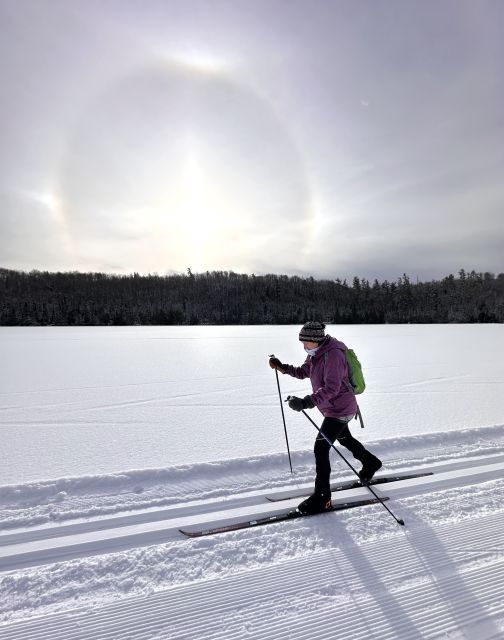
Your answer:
<point x="316" y="503"/>
<point x="369" y="467"/>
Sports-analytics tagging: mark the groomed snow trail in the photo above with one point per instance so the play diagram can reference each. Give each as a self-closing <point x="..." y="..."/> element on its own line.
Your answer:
<point x="119" y="569"/>
<point x="104" y="535"/>
<point x="444" y="581"/>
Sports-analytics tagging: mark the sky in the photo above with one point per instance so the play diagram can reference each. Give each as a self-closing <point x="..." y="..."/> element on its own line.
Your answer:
<point x="321" y="138"/>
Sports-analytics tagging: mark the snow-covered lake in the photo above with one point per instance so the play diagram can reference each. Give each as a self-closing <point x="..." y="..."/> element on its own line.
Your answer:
<point x="97" y="400"/>
<point x="114" y="439"/>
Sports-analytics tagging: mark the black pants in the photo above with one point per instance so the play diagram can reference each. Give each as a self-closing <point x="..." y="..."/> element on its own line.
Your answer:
<point x="334" y="429"/>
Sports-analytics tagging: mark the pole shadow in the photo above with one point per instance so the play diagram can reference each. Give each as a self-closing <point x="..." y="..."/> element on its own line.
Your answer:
<point x="394" y="620"/>
<point x="437" y="563"/>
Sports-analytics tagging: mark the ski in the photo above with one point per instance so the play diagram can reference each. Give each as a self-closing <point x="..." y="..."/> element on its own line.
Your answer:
<point x="344" y="486"/>
<point x="279" y="517"/>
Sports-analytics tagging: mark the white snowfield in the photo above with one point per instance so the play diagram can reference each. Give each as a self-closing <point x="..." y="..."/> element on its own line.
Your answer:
<point x="107" y="560"/>
<point x="113" y="439"/>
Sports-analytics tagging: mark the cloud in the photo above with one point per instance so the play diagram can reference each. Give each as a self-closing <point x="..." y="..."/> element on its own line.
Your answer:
<point x="343" y="139"/>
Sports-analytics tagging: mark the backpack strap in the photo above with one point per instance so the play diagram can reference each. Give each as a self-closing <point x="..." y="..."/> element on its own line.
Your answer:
<point x="359" y="415"/>
<point x="350" y="388"/>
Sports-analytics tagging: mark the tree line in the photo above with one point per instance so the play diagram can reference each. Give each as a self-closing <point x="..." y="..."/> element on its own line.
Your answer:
<point x="225" y="297"/>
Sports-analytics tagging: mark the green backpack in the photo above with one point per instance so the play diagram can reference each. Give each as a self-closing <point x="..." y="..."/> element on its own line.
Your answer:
<point x="355" y="382"/>
<point x="355" y="375"/>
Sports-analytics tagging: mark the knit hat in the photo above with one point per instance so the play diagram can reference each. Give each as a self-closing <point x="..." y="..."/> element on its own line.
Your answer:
<point x="312" y="332"/>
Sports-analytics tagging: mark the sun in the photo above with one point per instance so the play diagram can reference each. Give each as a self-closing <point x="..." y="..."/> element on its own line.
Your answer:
<point x="192" y="169"/>
<point x="196" y="207"/>
<point x="194" y="211"/>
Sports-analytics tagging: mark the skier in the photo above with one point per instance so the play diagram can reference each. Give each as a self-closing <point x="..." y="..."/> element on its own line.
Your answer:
<point x="326" y="366"/>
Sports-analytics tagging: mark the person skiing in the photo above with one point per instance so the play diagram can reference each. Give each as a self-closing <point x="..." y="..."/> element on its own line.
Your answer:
<point x="327" y="368"/>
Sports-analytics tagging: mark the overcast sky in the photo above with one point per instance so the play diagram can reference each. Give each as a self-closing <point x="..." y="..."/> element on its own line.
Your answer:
<point x="318" y="137"/>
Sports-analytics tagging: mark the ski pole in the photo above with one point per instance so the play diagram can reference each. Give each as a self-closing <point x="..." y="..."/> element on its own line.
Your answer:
<point x="398" y="520"/>
<point x="283" y="416"/>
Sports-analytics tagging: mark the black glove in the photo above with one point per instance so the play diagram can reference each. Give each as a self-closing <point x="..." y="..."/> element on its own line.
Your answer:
<point x="275" y="363"/>
<point x="298" y="404"/>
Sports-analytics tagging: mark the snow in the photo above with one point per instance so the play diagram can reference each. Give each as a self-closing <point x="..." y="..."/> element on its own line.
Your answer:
<point x="114" y="438"/>
<point x="138" y="397"/>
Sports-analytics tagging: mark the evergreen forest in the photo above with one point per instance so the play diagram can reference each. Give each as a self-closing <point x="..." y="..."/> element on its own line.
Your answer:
<point x="224" y="297"/>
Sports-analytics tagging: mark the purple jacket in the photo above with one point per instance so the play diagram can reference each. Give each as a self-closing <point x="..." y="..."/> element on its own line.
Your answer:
<point x="328" y="373"/>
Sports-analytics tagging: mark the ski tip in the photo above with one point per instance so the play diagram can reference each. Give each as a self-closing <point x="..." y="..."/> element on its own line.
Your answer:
<point x="190" y="534"/>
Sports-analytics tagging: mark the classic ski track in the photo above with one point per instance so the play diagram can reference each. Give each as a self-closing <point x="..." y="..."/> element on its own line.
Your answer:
<point x="51" y="544"/>
<point x="320" y="596"/>
<point x="135" y="513"/>
<point x="436" y="468"/>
